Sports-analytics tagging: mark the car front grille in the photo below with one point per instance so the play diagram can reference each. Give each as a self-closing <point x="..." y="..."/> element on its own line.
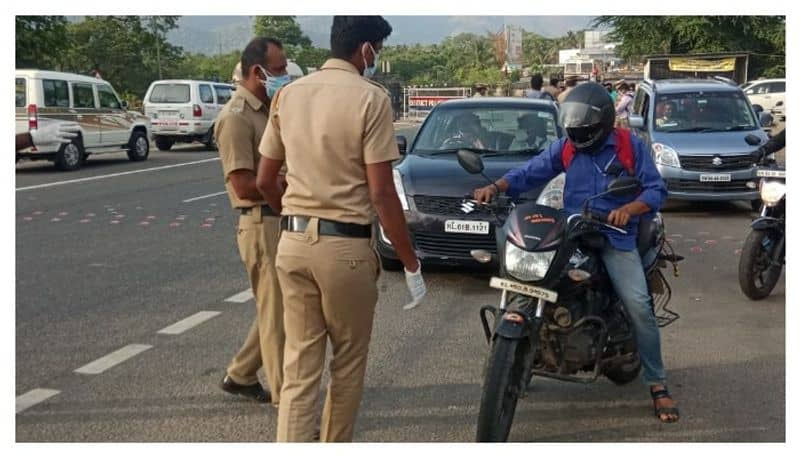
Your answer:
<point x="687" y="185"/>
<point x="449" y="206"/>
<point x="706" y="163"/>
<point x="453" y="244"/>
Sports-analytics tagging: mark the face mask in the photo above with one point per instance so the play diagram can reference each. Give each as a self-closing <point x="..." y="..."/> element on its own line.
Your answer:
<point x="273" y="83"/>
<point x="369" y="72"/>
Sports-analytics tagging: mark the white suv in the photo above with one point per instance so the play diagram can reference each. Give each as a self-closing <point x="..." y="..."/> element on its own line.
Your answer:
<point x="183" y="111"/>
<point x="769" y="93"/>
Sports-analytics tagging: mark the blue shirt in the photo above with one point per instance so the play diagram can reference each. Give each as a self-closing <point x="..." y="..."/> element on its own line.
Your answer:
<point x="587" y="176"/>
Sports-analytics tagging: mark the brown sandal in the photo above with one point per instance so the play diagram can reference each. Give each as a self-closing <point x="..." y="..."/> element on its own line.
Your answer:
<point x="664" y="393"/>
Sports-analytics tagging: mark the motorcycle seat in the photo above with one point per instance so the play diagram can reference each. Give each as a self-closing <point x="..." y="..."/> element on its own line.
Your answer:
<point x="648" y="235"/>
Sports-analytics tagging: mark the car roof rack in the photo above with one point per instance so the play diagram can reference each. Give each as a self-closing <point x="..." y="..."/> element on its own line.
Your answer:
<point x="725" y="80"/>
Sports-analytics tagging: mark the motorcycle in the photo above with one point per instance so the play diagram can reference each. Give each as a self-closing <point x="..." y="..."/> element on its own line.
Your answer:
<point x="764" y="250"/>
<point x="558" y="315"/>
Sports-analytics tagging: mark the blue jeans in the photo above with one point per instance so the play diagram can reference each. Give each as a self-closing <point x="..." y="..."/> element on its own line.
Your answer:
<point x="627" y="275"/>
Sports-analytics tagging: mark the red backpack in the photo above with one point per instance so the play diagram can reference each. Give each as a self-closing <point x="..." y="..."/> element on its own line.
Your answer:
<point x="624" y="151"/>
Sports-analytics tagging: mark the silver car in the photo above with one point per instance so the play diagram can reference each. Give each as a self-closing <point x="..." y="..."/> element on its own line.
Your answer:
<point x="701" y="133"/>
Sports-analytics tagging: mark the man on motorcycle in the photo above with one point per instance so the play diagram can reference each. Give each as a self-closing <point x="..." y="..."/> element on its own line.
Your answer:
<point x="587" y="114"/>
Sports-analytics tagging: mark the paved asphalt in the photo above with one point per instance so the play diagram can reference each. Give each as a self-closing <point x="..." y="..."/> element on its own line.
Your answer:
<point x="107" y="263"/>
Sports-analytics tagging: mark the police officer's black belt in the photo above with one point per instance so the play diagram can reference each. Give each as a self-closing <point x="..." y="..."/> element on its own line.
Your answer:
<point x="326" y="227"/>
<point x="266" y="210"/>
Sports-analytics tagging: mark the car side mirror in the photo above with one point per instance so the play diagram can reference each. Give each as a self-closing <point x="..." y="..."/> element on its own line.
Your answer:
<point x="402" y="144"/>
<point x="752" y="140"/>
<point x="635" y="121"/>
<point x="758" y="109"/>
<point x="624" y="186"/>
<point x="124" y="104"/>
<point x="765" y="119"/>
<point x="470" y="161"/>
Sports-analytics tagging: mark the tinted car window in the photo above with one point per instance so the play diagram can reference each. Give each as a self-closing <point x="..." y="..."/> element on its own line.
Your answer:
<point x="19" y="93"/>
<point x="205" y="94"/>
<point x="55" y="93"/>
<point x="170" y="93"/>
<point x="107" y="98"/>
<point x="703" y="112"/>
<point x="82" y="96"/>
<point x="223" y="94"/>
<point x="493" y="129"/>
<point x="778" y="87"/>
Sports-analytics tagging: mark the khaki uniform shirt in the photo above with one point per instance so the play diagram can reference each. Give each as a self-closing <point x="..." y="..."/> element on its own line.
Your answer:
<point x="238" y="131"/>
<point x="328" y="126"/>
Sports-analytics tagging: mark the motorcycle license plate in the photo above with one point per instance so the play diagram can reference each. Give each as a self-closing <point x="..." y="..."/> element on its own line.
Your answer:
<point x="720" y="177"/>
<point x="524" y="289"/>
<point x="476" y="227"/>
<point x="771" y="174"/>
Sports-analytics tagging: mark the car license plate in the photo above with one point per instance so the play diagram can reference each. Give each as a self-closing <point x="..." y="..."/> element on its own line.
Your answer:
<point x="476" y="227"/>
<point x="524" y="289"/>
<point x="771" y="174"/>
<point x="169" y="125"/>
<point x="722" y="177"/>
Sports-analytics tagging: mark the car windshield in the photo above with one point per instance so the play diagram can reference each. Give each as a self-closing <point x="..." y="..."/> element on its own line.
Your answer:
<point x="170" y="93"/>
<point x="490" y="129"/>
<point x="703" y="112"/>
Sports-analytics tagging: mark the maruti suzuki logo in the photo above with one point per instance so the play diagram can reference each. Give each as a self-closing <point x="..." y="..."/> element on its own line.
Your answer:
<point x="467" y="207"/>
<point x="716" y="161"/>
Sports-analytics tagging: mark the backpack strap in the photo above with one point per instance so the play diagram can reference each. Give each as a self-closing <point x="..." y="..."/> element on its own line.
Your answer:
<point x="624" y="150"/>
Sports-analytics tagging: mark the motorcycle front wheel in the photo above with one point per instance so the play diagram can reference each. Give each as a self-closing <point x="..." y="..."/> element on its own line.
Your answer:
<point x="757" y="275"/>
<point x="501" y="390"/>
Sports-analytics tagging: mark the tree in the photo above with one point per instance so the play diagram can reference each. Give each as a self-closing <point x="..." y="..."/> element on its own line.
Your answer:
<point x="310" y="57"/>
<point x="159" y="26"/>
<point x="282" y="28"/>
<point x="39" y="39"/>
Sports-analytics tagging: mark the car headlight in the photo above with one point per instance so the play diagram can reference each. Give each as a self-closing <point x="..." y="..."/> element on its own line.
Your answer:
<point x="527" y="266"/>
<point x="553" y="193"/>
<point x="665" y="155"/>
<point x="772" y="192"/>
<point x="401" y="191"/>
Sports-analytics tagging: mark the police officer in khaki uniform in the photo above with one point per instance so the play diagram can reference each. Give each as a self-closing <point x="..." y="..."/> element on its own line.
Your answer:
<point x="333" y="129"/>
<point x="238" y="131"/>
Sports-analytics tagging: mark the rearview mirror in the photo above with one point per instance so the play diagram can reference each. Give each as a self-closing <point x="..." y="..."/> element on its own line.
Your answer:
<point x="624" y="186"/>
<point x="635" y="121"/>
<point x="758" y="108"/>
<point x="765" y="119"/>
<point x="470" y="161"/>
<point x="402" y="144"/>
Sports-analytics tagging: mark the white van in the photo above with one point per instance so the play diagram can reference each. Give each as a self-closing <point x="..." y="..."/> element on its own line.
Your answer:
<point x="106" y="126"/>
<point x="183" y="111"/>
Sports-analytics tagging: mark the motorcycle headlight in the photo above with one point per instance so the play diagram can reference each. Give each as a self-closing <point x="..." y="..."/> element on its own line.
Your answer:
<point x="553" y="193"/>
<point x="401" y="191"/>
<point x="772" y="192"/>
<point x="527" y="266"/>
<point x="665" y="155"/>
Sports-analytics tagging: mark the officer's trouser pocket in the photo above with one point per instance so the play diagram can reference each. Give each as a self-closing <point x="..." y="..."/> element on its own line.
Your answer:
<point x="248" y="238"/>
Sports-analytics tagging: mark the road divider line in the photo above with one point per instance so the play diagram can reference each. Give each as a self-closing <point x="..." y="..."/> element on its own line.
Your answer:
<point x="104" y="363"/>
<point x="34" y="397"/>
<point x="113" y="175"/>
<point x="241" y="297"/>
<point x="191" y="321"/>
<point x="204" y="196"/>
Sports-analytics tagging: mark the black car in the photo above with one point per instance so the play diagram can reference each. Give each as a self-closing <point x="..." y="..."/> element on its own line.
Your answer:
<point x="507" y="132"/>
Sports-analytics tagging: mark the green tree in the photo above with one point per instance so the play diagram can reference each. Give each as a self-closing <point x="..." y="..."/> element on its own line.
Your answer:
<point x="310" y="57"/>
<point x="39" y="40"/>
<point x="282" y="28"/>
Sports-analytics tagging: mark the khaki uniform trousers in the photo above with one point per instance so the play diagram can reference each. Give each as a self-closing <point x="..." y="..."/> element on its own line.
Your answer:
<point x="257" y="238"/>
<point x="330" y="291"/>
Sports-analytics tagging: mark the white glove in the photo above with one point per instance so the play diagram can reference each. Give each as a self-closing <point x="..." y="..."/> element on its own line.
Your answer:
<point x="60" y="132"/>
<point x="416" y="286"/>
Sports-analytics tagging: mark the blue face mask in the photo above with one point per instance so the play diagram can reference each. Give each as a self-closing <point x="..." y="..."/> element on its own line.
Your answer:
<point x="274" y="83"/>
<point x="369" y="72"/>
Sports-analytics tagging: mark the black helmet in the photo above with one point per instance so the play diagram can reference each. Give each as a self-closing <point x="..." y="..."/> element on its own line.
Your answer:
<point x="587" y="114"/>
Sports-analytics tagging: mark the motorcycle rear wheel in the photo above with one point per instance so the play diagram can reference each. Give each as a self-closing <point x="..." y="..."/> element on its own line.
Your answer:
<point x="501" y="391"/>
<point x="757" y="277"/>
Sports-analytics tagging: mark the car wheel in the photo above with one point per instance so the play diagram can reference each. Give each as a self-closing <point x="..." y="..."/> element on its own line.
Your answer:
<point x="139" y="147"/>
<point x="210" y="142"/>
<point x="164" y="144"/>
<point x="70" y="156"/>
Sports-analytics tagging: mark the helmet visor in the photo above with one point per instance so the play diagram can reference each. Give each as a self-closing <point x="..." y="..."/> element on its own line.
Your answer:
<point x="579" y="114"/>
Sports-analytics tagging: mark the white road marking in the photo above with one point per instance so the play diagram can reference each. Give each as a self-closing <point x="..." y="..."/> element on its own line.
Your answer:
<point x="241" y="297"/>
<point x="34" y="397"/>
<point x="113" y="175"/>
<point x="204" y="196"/>
<point x="104" y="363"/>
<point x="191" y="321"/>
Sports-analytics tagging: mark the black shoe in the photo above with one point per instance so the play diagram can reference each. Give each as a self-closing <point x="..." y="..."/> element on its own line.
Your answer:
<point x="253" y="391"/>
